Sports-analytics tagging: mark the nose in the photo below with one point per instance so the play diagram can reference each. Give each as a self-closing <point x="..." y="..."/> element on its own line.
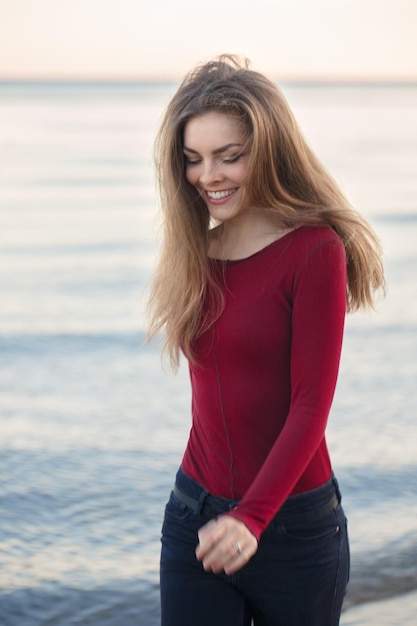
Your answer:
<point x="210" y="173"/>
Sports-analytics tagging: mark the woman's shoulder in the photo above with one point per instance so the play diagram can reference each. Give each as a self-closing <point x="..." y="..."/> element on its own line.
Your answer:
<point x="308" y="242"/>
<point x="315" y="235"/>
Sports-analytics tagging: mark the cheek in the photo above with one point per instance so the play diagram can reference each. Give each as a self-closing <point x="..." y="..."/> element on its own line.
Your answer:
<point x="243" y="173"/>
<point x="191" y="175"/>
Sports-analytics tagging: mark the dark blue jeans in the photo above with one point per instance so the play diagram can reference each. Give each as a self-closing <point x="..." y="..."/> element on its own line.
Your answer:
<point x="298" y="576"/>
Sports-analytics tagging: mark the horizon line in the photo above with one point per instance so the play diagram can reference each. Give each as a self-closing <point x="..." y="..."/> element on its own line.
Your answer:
<point x="169" y="79"/>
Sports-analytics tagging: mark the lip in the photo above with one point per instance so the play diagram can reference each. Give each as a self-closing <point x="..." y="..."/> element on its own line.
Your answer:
<point x="225" y="195"/>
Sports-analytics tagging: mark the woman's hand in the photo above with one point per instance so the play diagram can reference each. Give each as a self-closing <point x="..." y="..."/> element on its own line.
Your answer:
<point x="226" y="544"/>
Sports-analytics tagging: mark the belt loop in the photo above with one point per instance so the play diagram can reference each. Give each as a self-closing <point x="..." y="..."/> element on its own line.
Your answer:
<point x="201" y="501"/>
<point x="336" y="487"/>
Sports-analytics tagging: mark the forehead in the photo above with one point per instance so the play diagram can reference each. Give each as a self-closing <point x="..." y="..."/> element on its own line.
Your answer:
<point x="212" y="127"/>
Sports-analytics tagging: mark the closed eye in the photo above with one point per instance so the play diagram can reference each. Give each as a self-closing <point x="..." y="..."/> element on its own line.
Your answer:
<point x="228" y="160"/>
<point x="190" y="161"/>
<point x="232" y="159"/>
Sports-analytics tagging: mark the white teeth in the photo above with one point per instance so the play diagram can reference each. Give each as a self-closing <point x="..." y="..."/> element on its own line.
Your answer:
<point x="218" y="195"/>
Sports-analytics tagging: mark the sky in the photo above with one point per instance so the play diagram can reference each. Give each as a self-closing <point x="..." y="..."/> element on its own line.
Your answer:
<point x="162" y="39"/>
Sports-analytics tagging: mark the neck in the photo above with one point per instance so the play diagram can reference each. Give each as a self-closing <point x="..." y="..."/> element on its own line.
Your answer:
<point x="245" y="234"/>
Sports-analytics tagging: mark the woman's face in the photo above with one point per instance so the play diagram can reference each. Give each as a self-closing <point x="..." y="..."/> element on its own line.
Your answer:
<point x="217" y="161"/>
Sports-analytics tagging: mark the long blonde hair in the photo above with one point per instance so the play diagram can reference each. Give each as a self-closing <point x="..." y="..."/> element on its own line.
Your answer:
<point x="284" y="176"/>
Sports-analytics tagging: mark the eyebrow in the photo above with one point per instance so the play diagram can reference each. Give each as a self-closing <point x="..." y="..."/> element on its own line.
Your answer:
<point x="217" y="150"/>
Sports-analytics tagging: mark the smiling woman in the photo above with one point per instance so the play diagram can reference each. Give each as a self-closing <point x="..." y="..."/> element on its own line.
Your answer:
<point x="261" y="258"/>
<point x="217" y="162"/>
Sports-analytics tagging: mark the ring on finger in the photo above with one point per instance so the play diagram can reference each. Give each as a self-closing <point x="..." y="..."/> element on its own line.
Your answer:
<point x="238" y="547"/>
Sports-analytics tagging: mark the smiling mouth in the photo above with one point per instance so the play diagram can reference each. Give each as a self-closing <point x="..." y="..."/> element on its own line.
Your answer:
<point x="220" y="195"/>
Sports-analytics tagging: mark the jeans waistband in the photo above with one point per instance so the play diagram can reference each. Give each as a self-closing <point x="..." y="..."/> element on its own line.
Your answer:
<point x="306" y="506"/>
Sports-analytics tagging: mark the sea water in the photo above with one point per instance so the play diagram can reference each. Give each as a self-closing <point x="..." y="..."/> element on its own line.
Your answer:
<point x="92" y="428"/>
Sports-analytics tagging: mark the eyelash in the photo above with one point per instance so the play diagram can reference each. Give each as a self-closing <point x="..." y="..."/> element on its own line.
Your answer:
<point x="228" y="161"/>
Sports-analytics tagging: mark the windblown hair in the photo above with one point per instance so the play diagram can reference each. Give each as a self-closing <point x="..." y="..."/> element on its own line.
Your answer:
<point x="284" y="176"/>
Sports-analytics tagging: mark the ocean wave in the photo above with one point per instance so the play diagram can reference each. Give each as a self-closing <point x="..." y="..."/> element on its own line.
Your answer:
<point x="130" y="603"/>
<point x="136" y="602"/>
<point x="43" y="343"/>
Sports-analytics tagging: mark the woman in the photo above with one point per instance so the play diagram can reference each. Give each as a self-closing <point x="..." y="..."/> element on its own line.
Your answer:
<point x="262" y="256"/>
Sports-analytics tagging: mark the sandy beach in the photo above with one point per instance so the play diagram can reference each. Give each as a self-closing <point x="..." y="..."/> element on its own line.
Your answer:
<point x="390" y="612"/>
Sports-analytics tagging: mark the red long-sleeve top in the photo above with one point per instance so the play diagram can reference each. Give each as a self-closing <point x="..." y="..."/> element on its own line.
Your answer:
<point x="266" y="375"/>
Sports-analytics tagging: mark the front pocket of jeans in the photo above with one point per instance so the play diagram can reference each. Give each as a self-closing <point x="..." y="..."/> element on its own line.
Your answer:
<point x="313" y="531"/>
<point x="177" y="509"/>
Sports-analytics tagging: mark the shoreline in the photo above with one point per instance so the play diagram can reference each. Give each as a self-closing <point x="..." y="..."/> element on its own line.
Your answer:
<point x="399" y="609"/>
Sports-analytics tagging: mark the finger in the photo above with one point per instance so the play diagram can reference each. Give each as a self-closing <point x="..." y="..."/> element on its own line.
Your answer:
<point x="209" y="536"/>
<point x="224" y="555"/>
<point x="225" y="544"/>
<point x="236" y="562"/>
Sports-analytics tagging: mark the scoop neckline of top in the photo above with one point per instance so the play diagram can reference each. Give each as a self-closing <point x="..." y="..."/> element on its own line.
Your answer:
<point x="258" y="252"/>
